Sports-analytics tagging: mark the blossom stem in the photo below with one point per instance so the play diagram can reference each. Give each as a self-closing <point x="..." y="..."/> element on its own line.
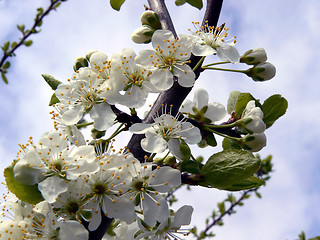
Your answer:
<point x="222" y="135"/>
<point x="220" y="126"/>
<point x="199" y="63"/>
<point x="150" y="159"/>
<point x="225" y="69"/>
<point x="216" y="63"/>
<point x="81" y="125"/>
<point x="117" y="131"/>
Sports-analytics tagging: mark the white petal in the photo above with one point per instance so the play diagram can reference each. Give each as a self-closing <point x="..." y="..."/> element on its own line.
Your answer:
<point x="227" y="52"/>
<point x="73" y="115"/>
<point x="123" y="208"/>
<point x="153" y="212"/>
<point x="182" y="216"/>
<point x="201" y="98"/>
<point x="202" y="50"/>
<point x="163" y="175"/>
<point x="52" y="187"/>
<point x="186" y="77"/>
<point x="162" y="79"/>
<point x="140" y="128"/>
<point x="174" y="148"/>
<point x="72" y="230"/>
<point x="158" y="37"/>
<point x="154" y="143"/>
<point x="215" y="112"/>
<point x="103" y="116"/>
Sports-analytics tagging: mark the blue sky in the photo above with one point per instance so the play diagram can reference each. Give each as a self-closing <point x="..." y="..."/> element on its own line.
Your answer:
<point x="288" y="31"/>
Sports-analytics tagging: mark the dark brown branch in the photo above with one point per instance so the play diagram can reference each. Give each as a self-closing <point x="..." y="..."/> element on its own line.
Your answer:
<point x="175" y="95"/>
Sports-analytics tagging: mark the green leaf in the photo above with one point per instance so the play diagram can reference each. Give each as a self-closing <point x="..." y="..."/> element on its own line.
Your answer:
<point x="241" y="103"/>
<point x="185" y="150"/>
<point x="6" y="46"/>
<point x="195" y="3"/>
<point x="180" y="2"/>
<point x="221" y="207"/>
<point x="273" y="108"/>
<point x="190" y="166"/>
<point x="21" y="27"/>
<point x="211" y="140"/>
<point x="14" y="44"/>
<point x="4" y="77"/>
<point x="6" y="65"/>
<point x="116" y="4"/>
<point x="230" y="144"/>
<point x="229" y="167"/>
<point x="249" y="183"/>
<point x="28" y="43"/>
<point x="53" y="100"/>
<point x="53" y="83"/>
<point x="233" y="97"/>
<point x="26" y="193"/>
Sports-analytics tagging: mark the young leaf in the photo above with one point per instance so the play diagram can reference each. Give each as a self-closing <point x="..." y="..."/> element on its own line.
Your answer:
<point x="4" y="77"/>
<point x="273" y="108"/>
<point x="6" y="46"/>
<point x="180" y="2"/>
<point x="28" y="43"/>
<point x="249" y="183"/>
<point x="53" y="83"/>
<point x="233" y="97"/>
<point x="190" y="166"/>
<point x="241" y="103"/>
<point x="195" y="3"/>
<point x="53" y="100"/>
<point x="229" y="167"/>
<point x="27" y="193"/>
<point x="116" y="4"/>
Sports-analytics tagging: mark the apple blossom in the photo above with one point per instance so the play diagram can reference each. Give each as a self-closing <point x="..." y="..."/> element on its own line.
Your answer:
<point x="166" y="132"/>
<point x="209" y="40"/>
<point x="201" y="110"/>
<point x="169" y="59"/>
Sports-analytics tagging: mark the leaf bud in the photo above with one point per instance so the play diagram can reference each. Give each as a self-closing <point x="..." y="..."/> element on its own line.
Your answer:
<point x="254" y="56"/>
<point x="79" y="63"/>
<point x="142" y="34"/>
<point x="150" y="18"/>
<point x="254" y="142"/>
<point x="262" y="72"/>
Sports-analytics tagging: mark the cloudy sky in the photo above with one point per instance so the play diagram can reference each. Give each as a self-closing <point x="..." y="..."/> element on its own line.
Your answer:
<point x="288" y="30"/>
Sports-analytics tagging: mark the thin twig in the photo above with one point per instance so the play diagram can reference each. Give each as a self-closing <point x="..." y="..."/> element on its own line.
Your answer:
<point x="30" y="32"/>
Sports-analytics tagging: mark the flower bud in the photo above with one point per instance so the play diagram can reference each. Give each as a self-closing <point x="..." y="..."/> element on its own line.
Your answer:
<point x="79" y="63"/>
<point x="89" y="54"/>
<point x="150" y="18"/>
<point x="262" y="72"/>
<point x="254" y="142"/>
<point x="142" y="34"/>
<point x="254" y="56"/>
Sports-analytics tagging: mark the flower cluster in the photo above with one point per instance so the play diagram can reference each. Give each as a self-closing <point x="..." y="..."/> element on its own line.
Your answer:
<point x="81" y="182"/>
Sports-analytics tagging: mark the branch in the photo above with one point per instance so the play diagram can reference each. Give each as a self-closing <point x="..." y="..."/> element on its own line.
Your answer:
<point x="175" y="95"/>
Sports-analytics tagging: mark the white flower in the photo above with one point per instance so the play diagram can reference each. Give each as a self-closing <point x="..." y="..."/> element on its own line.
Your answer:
<point x="254" y="56"/>
<point x="147" y="188"/>
<point x="86" y="93"/>
<point x="130" y="78"/>
<point x="166" y="132"/>
<point x="169" y="59"/>
<point x="169" y="229"/>
<point x="71" y="132"/>
<point x="107" y="185"/>
<point x="201" y="110"/>
<point x="52" y="162"/>
<point x="251" y="119"/>
<point x="255" y="142"/>
<point x="210" y="40"/>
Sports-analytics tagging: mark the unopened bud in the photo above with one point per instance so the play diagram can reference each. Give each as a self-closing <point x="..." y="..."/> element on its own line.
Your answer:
<point x="88" y="55"/>
<point x="255" y="142"/>
<point x="170" y="160"/>
<point x="254" y="56"/>
<point x="79" y="63"/>
<point x="142" y="34"/>
<point x="262" y="72"/>
<point x="150" y="18"/>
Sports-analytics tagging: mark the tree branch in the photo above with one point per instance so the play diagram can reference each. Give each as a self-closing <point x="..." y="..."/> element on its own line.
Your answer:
<point x="175" y="95"/>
